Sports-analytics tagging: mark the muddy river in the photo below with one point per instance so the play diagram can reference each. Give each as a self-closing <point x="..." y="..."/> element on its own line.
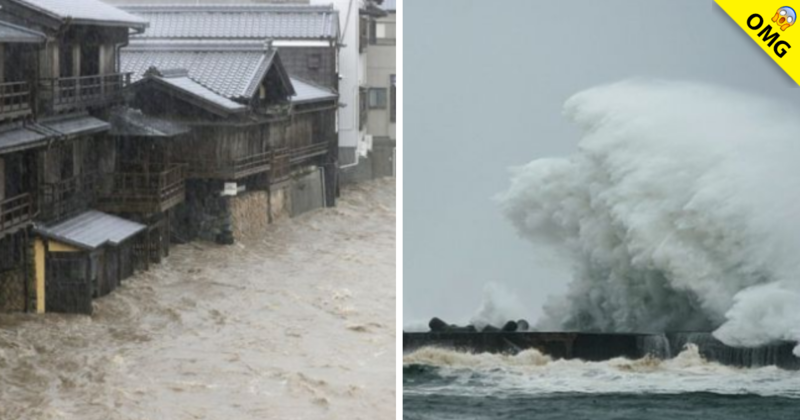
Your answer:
<point x="294" y="323"/>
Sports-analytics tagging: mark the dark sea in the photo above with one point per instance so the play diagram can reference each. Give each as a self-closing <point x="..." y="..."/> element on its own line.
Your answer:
<point x="441" y="384"/>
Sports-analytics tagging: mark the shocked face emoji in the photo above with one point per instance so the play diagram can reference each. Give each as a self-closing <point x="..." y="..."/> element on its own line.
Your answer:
<point x="785" y="17"/>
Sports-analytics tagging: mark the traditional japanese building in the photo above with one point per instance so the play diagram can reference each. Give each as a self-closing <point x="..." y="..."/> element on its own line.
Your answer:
<point x="113" y="143"/>
<point x="20" y="144"/>
<point x="253" y="135"/>
<point x="74" y="81"/>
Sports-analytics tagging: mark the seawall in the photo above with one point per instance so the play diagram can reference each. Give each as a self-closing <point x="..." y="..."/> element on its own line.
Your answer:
<point x="605" y="346"/>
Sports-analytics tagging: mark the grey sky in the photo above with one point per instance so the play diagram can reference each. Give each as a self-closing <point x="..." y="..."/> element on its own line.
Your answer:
<point x="484" y="85"/>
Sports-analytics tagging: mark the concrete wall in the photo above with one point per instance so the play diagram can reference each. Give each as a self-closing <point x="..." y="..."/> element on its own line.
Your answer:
<point x="381" y="65"/>
<point x="383" y="154"/>
<point x="307" y="193"/>
<point x="379" y="164"/>
<point x="358" y="173"/>
<point x="352" y="70"/>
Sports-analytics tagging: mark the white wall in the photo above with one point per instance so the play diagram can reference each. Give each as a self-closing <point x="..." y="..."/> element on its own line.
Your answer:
<point x="352" y="68"/>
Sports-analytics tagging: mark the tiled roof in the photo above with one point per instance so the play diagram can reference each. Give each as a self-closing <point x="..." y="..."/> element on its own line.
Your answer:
<point x="132" y="122"/>
<point x="20" y="138"/>
<point x="257" y="21"/>
<point x="308" y="92"/>
<point x="94" y="12"/>
<point x="233" y="70"/>
<point x="74" y="125"/>
<point x="10" y="33"/>
<point x="179" y="80"/>
<point x="91" y="230"/>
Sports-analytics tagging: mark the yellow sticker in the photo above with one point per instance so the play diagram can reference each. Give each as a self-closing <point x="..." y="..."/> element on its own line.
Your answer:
<point x="771" y="25"/>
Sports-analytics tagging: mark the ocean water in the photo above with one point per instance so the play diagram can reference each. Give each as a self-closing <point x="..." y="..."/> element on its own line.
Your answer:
<point x="442" y="384"/>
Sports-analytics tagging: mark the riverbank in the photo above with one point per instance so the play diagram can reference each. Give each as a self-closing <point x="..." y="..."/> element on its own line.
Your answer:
<point x="297" y="322"/>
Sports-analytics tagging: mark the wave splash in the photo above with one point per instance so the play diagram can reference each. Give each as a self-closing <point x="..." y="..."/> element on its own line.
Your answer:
<point x="680" y="211"/>
<point x="447" y="372"/>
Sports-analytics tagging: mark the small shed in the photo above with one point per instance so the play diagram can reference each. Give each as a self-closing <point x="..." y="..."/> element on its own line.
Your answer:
<point x="83" y="257"/>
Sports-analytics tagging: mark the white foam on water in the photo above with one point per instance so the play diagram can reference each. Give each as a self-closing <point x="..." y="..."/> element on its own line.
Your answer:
<point x="680" y="211"/>
<point x="532" y="373"/>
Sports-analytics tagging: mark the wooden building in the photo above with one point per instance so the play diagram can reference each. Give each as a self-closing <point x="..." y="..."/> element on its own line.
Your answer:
<point x="251" y="130"/>
<point x="20" y="143"/>
<point x="73" y="79"/>
<point x="110" y="148"/>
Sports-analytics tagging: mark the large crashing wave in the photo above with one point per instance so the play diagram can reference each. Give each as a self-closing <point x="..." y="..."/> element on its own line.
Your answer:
<point x="680" y="211"/>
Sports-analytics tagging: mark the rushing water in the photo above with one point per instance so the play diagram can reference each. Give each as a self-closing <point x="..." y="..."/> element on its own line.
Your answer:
<point x="293" y="323"/>
<point x="442" y="384"/>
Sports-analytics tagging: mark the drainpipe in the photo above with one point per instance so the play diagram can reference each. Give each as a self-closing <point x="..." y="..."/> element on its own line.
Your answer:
<point x="358" y="130"/>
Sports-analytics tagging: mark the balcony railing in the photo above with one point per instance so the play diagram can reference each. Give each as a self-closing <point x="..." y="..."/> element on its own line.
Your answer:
<point x="277" y="162"/>
<point x="229" y="168"/>
<point x="67" y="198"/>
<point x="304" y="153"/>
<point x="68" y="93"/>
<point x="16" y="212"/>
<point x="144" y="189"/>
<point x="15" y="100"/>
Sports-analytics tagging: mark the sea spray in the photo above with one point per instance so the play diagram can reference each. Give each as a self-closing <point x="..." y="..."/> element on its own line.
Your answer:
<point x="680" y="211"/>
<point x="498" y="306"/>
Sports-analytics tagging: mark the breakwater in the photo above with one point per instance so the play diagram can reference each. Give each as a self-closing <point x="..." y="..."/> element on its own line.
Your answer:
<point x="605" y="346"/>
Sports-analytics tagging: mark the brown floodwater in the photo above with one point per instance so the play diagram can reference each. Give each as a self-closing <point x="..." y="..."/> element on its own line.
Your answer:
<point x="297" y="322"/>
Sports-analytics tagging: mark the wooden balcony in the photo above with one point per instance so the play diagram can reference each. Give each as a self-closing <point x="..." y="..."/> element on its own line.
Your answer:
<point x="277" y="162"/>
<point x="16" y="213"/>
<point x="144" y="188"/>
<point x="15" y="100"/>
<point x="66" y="198"/>
<point x="306" y="153"/>
<point x="229" y="169"/>
<point x="75" y="93"/>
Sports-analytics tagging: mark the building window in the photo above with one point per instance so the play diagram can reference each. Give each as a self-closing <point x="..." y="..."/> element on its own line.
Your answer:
<point x="393" y="99"/>
<point x="377" y="98"/>
<point x="382" y="33"/>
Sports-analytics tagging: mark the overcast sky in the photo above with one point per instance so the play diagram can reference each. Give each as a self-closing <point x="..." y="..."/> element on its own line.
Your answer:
<point x="485" y="81"/>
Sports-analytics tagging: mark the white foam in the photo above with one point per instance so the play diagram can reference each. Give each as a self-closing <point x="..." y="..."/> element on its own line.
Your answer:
<point x="531" y="373"/>
<point x="680" y="212"/>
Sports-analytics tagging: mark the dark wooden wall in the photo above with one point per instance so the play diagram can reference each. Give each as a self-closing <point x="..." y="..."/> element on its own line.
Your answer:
<point x="315" y="64"/>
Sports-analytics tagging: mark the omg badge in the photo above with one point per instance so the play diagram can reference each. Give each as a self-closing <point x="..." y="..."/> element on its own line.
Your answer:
<point x="769" y="23"/>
